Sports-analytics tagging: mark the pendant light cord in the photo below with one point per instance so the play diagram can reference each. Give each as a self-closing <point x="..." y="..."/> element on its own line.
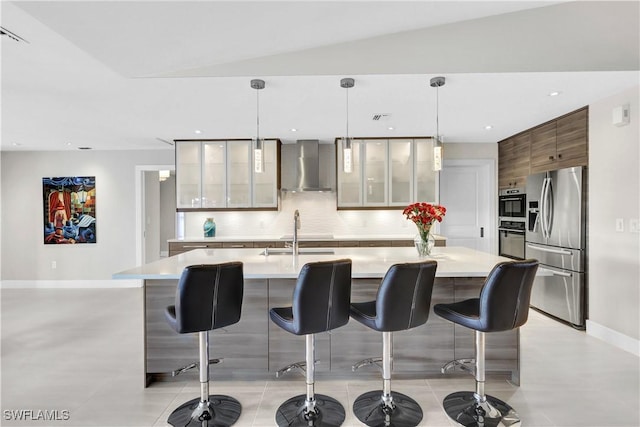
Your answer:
<point x="347" y="136"/>
<point x="257" y="118"/>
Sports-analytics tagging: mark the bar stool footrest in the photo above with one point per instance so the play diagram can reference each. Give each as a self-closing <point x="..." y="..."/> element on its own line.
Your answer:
<point x="220" y="410"/>
<point x="465" y="408"/>
<point x="329" y="412"/>
<point x="370" y="361"/>
<point x="467" y="365"/>
<point x="370" y="410"/>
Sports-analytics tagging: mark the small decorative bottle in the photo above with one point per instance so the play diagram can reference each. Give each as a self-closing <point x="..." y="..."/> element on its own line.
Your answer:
<point x="209" y="228"/>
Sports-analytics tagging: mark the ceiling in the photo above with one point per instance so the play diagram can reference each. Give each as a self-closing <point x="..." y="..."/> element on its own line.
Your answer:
<point x="136" y="75"/>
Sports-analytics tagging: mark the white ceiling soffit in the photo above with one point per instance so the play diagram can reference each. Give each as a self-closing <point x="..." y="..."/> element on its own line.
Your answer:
<point x="71" y="86"/>
<point x="217" y="38"/>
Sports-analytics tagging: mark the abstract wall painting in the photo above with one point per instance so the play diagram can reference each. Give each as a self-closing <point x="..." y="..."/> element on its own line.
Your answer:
<point x="69" y="210"/>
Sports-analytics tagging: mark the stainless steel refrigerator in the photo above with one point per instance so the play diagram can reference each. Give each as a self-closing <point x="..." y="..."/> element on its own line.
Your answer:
<point x="556" y="237"/>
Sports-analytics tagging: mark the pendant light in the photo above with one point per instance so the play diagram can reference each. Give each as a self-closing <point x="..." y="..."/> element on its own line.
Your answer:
<point x="347" y="152"/>
<point x="258" y="148"/>
<point x="437" y="144"/>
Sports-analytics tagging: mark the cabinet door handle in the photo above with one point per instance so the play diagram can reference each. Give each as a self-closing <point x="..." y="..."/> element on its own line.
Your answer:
<point x="194" y="246"/>
<point x="559" y="156"/>
<point x="550" y="157"/>
<point x="481" y="231"/>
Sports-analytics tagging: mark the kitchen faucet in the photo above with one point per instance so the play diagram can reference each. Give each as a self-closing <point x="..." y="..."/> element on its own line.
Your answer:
<point x="296" y="227"/>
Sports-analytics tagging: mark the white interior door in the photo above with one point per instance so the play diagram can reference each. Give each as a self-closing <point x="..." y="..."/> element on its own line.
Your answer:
<point x="467" y="190"/>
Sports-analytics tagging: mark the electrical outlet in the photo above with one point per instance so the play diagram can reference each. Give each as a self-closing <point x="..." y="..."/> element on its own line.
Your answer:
<point x="634" y="225"/>
<point x="619" y="224"/>
<point x="54" y="265"/>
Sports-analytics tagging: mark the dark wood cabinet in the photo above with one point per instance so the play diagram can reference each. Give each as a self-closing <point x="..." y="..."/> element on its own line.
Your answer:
<point x="561" y="143"/>
<point x="557" y="144"/>
<point x="543" y="147"/>
<point x="513" y="161"/>
<point x="572" y="139"/>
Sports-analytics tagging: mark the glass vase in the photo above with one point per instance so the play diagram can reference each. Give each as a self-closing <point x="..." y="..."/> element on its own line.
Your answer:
<point x="424" y="244"/>
<point x="209" y="228"/>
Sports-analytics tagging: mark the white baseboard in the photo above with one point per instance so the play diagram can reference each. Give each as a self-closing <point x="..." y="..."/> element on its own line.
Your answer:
<point x="70" y="284"/>
<point x="614" y="338"/>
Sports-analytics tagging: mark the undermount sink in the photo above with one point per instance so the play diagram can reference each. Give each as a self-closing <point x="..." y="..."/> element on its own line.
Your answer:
<point x="302" y="251"/>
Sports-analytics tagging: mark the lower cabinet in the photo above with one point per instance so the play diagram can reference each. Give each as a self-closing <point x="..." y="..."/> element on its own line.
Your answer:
<point x="256" y="348"/>
<point x="286" y="348"/>
<point x="243" y="346"/>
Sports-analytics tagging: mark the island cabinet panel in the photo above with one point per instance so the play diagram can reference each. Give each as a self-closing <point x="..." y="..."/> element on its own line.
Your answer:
<point x="167" y="350"/>
<point x="354" y="341"/>
<point x="501" y="348"/>
<point x="286" y="348"/>
<point x="428" y="347"/>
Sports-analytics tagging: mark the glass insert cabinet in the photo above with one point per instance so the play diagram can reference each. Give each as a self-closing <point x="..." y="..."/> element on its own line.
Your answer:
<point x="386" y="172"/>
<point x="221" y="174"/>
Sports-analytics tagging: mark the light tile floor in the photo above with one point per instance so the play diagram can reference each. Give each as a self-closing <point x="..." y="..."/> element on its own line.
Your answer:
<point x="80" y="350"/>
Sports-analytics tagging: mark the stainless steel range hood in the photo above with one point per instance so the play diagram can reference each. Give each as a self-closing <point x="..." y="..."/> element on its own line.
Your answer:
<point x="307" y="167"/>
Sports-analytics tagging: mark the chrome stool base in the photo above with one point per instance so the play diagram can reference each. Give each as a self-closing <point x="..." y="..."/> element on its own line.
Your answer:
<point x="328" y="412"/>
<point x="220" y="411"/>
<point x="371" y="410"/>
<point x="465" y="408"/>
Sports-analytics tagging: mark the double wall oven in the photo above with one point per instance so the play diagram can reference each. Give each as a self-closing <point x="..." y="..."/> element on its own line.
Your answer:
<point x="512" y="222"/>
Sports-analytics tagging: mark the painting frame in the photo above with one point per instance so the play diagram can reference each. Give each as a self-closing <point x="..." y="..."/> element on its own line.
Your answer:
<point x="69" y="210"/>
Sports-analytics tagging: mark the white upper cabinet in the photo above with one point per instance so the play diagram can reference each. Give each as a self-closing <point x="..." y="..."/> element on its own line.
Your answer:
<point x="386" y="173"/>
<point x="220" y="174"/>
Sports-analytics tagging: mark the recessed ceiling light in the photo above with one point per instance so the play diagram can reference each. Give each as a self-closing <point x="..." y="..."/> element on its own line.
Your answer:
<point x="488" y="127"/>
<point x="554" y="93"/>
<point x="197" y="131"/>
<point x="16" y="144"/>
<point x="68" y="144"/>
<point x="391" y="128"/>
<point x="294" y="130"/>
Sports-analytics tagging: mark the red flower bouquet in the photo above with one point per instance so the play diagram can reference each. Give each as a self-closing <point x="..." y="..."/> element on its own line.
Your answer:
<point x="424" y="215"/>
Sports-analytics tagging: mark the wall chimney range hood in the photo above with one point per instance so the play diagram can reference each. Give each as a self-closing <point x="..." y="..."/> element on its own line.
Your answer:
<point x="300" y="168"/>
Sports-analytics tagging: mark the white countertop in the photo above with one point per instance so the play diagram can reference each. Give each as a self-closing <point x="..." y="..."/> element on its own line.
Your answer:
<point x="367" y="262"/>
<point x="301" y="237"/>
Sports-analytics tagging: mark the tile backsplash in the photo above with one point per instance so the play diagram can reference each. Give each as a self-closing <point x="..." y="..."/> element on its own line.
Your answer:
<point x="318" y="215"/>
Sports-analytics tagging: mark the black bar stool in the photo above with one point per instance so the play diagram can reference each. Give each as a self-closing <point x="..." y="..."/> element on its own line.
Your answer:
<point x="208" y="297"/>
<point x="320" y="303"/>
<point x="503" y="305"/>
<point x="402" y="302"/>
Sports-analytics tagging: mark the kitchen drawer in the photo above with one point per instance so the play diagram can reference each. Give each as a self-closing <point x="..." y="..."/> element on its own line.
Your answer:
<point x="403" y="243"/>
<point x="176" y="248"/>
<point x="349" y="244"/>
<point x="374" y="243"/>
<point x="269" y="244"/>
<point x="237" y="245"/>
<point x="317" y="244"/>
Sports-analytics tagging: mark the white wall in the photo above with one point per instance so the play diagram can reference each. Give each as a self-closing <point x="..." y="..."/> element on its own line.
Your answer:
<point x="167" y="212"/>
<point x="614" y="180"/>
<point x="25" y="256"/>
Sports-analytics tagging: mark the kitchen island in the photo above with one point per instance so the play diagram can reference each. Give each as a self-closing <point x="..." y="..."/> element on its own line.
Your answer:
<point x="255" y="347"/>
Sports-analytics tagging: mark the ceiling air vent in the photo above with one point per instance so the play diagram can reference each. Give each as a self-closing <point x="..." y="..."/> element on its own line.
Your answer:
<point x="381" y="117"/>
<point x="12" y="36"/>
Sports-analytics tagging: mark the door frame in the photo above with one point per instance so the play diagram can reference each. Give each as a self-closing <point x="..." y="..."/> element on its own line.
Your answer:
<point x="140" y="204"/>
<point x="491" y="231"/>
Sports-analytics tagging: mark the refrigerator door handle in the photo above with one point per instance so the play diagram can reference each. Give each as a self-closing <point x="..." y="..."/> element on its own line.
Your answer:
<point x="544" y="249"/>
<point x="561" y="273"/>
<point x="549" y="204"/>
<point x="543" y="210"/>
